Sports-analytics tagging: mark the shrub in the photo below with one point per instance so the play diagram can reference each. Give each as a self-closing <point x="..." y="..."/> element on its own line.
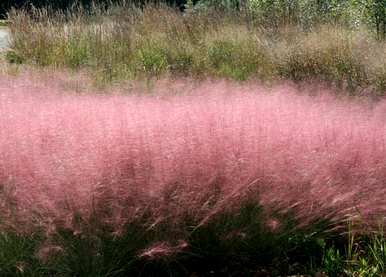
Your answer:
<point x="153" y="60"/>
<point x="13" y="57"/>
<point x="333" y="59"/>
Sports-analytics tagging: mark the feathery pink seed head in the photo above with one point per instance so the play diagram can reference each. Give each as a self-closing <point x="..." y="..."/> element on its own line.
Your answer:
<point x="67" y="159"/>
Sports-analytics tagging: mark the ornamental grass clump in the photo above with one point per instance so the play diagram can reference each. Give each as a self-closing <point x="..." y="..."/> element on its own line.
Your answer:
<point x="65" y="157"/>
<point x="223" y="168"/>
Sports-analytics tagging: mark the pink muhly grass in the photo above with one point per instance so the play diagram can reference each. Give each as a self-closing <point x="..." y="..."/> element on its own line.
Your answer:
<point x="162" y="250"/>
<point x="112" y="158"/>
<point x="47" y="252"/>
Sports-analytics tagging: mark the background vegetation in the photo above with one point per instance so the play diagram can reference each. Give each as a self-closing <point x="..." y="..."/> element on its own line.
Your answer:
<point x="124" y="42"/>
<point x="63" y="5"/>
<point x="271" y="12"/>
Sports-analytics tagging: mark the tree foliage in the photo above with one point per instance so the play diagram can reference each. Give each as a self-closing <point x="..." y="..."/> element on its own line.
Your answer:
<point x="306" y="13"/>
<point x="6" y="5"/>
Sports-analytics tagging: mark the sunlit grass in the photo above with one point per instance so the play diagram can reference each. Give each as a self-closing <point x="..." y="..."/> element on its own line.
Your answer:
<point x="128" y="43"/>
<point x="218" y="177"/>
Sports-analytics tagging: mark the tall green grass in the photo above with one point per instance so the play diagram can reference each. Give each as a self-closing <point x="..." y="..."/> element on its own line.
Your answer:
<point x="126" y="42"/>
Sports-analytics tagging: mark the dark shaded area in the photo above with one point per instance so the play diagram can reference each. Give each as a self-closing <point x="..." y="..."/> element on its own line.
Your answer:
<point x="237" y="243"/>
<point x="6" y="5"/>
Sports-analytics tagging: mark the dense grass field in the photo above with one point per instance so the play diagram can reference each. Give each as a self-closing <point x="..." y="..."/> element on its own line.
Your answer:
<point x="207" y="178"/>
<point x="126" y="42"/>
<point x="142" y="141"/>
